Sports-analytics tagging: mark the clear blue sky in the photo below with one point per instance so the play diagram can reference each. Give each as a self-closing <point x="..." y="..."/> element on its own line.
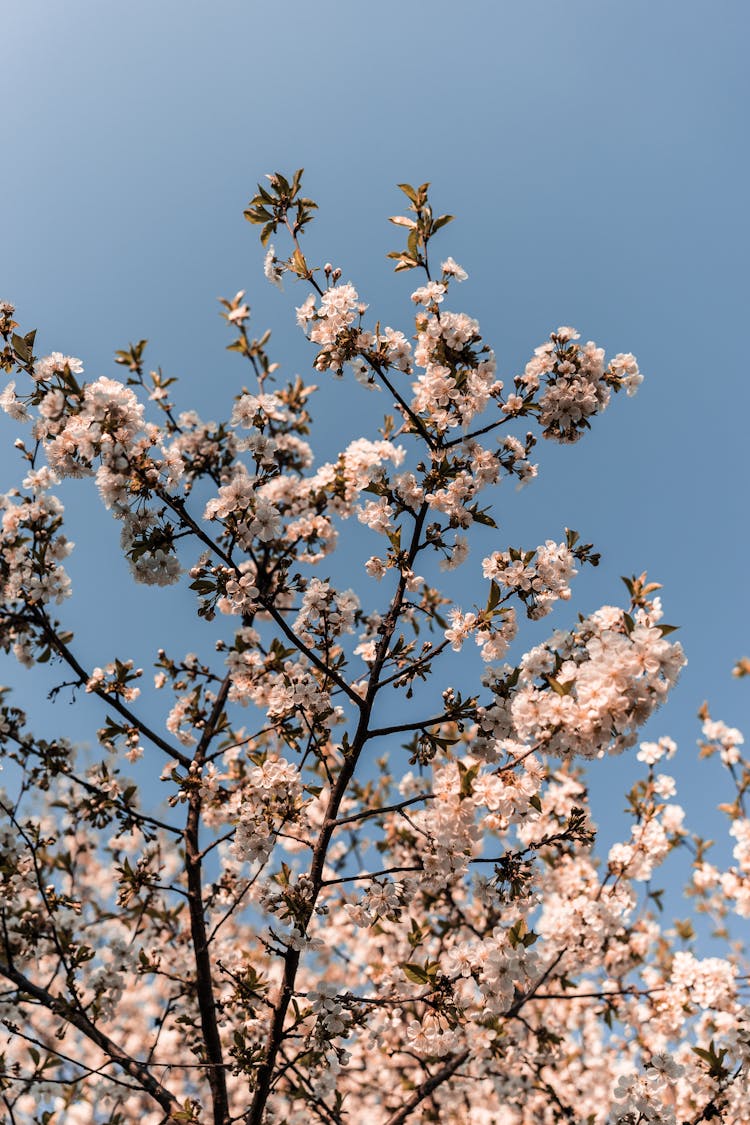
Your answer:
<point x="595" y="154"/>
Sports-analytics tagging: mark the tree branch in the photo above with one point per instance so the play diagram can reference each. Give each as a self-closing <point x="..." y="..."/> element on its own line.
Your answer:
<point x="112" y="701"/>
<point x="204" y="981"/>
<point x="427" y="1087"/>
<point x="265" y="1071"/>
<point x="180" y="509"/>
<point x="78" y="1019"/>
<point x="384" y="809"/>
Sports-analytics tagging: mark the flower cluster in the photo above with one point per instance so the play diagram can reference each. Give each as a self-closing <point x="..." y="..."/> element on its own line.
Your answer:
<point x="572" y="383"/>
<point x="590" y="691"/>
<point x="271" y="795"/>
<point x="538" y="577"/>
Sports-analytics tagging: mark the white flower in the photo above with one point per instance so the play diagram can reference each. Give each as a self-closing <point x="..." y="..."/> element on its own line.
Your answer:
<point x="272" y="269"/>
<point x="55" y="364"/>
<point x="452" y="269"/>
<point x="11" y="405"/>
<point x="306" y="311"/>
<point x="375" y="567"/>
<point x="428" y="294"/>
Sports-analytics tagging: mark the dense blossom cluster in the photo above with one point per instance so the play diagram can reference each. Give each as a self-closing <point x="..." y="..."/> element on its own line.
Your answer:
<point x="573" y="382"/>
<point x="271" y="796"/>
<point x="331" y="893"/>
<point x="608" y="675"/>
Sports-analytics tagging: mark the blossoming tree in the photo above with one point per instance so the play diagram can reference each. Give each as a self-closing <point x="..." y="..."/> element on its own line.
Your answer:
<point x="370" y="895"/>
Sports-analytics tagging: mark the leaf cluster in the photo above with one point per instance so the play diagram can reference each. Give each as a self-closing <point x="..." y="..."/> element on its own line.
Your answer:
<point x="270" y="207"/>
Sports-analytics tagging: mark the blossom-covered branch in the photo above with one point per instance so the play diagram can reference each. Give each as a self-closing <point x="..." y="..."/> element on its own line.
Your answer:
<point x="355" y="877"/>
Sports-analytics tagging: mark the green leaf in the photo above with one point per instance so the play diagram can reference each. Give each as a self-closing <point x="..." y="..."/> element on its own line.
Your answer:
<point x="714" y="1058"/>
<point x="415" y="973"/>
<point x="467" y="775"/>
<point x="517" y="932"/>
<point x="415" y="935"/>
<point x="657" y="897"/>
<point x="482" y="517"/>
<point x="408" y="191"/>
<point x="203" y="586"/>
<point x="20" y="347"/>
<point x="442" y="222"/>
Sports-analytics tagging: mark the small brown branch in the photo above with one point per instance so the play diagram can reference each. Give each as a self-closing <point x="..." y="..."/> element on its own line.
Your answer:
<point x="427" y="1087"/>
<point x="403" y="728"/>
<point x="416" y="421"/>
<point x="112" y="701"/>
<point x="476" y="433"/>
<point x="86" y="1071"/>
<point x="409" y="672"/>
<point x="133" y="814"/>
<point x="78" y="1019"/>
<point x="368" y="875"/>
<point x="312" y="656"/>
<point x="631" y="991"/>
<point x="383" y="809"/>
<point x="516" y="1007"/>
<point x="180" y="509"/>
<point x="320" y="1108"/>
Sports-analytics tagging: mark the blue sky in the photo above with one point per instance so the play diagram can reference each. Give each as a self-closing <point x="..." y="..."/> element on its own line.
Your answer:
<point x="595" y="155"/>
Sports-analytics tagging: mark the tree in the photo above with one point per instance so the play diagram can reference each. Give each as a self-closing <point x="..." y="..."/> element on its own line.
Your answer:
<point x="307" y="927"/>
